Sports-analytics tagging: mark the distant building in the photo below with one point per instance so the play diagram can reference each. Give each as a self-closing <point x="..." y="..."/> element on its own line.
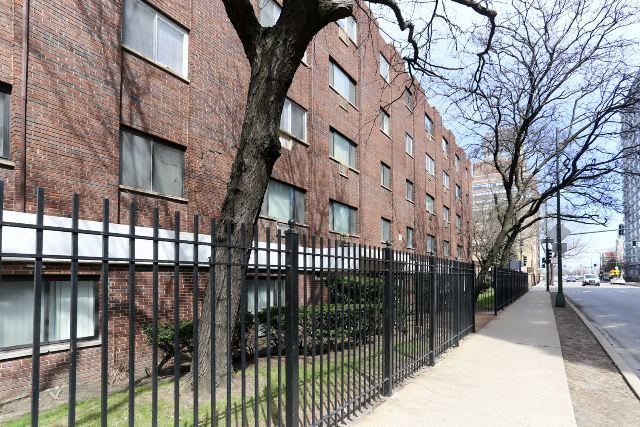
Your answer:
<point x="487" y="192"/>
<point x="631" y="194"/>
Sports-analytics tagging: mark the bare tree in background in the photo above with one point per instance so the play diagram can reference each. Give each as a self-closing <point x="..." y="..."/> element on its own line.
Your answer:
<point x="274" y="54"/>
<point x="557" y="76"/>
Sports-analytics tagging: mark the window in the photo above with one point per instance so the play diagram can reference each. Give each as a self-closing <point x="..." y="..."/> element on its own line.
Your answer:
<point x="4" y="123"/>
<point x="385" y="175"/>
<point x="150" y="165"/>
<point x="408" y="99"/>
<point x="284" y="202"/>
<point x="409" y="238"/>
<point x="445" y="179"/>
<point x="343" y="218"/>
<point x="430" y="204"/>
<point x="431" y="244"/>
<point x="409" y="191"/>
<point x="445" y="211"/>
<point x="267" y="292"/>
<point x="458" y="192"/>
<point x="342" y="83"/>
<point x="384" y="122"/>
<point x="269" y="12"/>
<point x="408" y="144"/>
<point x="154" y="36"/>
<point x="350" y="27"/>
<point x="343" y="149"/>
<point x="384" y="68"/>
<point x="428" y="124"/>
<point x="430" y="165"/>
<point x="385" y="230"/>
<point x="294" y="120"/>
<point x="447" y="248"/>
<point x="456" y="163"/>
<point x="445" y="145"/>
<point x="459" y="252"/>
<point x="16" y="311"/>
<point x="458" y="222"/>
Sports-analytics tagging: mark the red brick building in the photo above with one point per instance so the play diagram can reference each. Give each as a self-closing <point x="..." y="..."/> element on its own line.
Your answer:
<point x="142" y="101"/>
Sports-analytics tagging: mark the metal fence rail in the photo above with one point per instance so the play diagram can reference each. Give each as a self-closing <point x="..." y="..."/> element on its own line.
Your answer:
<point x="324" y="326"/>
<point x="506" y="287"/>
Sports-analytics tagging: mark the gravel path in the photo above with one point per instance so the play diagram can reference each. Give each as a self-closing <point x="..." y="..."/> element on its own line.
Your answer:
<point x="599" y="394"/>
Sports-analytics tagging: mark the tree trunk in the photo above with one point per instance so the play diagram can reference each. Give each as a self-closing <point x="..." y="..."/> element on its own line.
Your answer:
<point x="272" y="71"/>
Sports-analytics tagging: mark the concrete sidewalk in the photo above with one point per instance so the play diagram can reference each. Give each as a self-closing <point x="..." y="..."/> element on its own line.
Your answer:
<point x="510" y="373"/>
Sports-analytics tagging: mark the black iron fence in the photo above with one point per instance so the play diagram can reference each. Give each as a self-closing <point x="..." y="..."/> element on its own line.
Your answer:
<point x="324" y="326"/>
<point x="506" y="287"/>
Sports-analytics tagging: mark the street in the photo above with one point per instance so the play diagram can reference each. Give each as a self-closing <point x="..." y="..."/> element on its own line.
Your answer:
<point x="614" y="310"/>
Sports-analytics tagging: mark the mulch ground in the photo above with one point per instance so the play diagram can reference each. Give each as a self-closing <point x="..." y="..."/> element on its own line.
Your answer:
<point x="598" y="391"/>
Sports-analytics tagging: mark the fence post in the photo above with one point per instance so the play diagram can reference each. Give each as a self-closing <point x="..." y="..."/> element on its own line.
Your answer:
<point x="387" y="333"/>
<point x="474" y="297"/>
<point x="432" y="313"/>
<point x="291" y="333"/>
<point x="458" y="310"/>
<point x="495" y="290"/>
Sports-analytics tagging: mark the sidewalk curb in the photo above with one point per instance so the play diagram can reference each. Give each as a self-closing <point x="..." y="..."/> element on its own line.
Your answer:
<point x="630" y="378"/>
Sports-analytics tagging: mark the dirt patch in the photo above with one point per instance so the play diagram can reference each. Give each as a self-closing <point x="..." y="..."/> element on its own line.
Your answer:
<point x="482" y="319"/>
<point x="599" y="394"/>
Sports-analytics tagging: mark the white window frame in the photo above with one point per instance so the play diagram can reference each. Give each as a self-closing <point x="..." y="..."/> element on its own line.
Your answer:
<point x="430" y="200"/>
<point x="352" y="162"/>
<point x="185" y="45"/>
<point x="385" y="122"/>
<point x="445" y="146"/>
<point x="428" y="124"/>
<point x="349" y="26"/>
<point x="384" y="68"/>
<point x="352" y="211"/>
<point x="408" y="144"/>
<point x="458" y="192"/>
<point x="153" y="141"/>
<point x="446" y="248"/>
<point x="383" y="222"/>
<point x="431" y="241"/>
<point x="5" y="132"/>
<point x="384" y="166"/>
<point x="458" y="222"/>
<point x="333" y="67"/>
<point x="445" y="179"/>
<point x="430" y="165"/>
<point x="286" y="109"/>
<point x="294" y="193"/>
<point x="456" y="163"/>
<point x="408" y="99"/>
<point x="409" y="190"/>
<point x="446" y="214"/>
<point x="410" y="238"/>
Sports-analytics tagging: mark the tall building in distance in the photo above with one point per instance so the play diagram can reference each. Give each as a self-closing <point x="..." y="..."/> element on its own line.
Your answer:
<point x="487" y="193"/>
<point x="631" y="193"/>
<point x="142" y="101"/>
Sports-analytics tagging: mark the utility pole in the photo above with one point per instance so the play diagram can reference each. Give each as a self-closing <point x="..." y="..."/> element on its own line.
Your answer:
<point x="560" y="295"/>
<point x="546" y="236"/>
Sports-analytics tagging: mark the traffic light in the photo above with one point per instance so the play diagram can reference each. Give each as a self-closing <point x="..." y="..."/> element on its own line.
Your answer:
<point x="549" y="255"/>
<point x="524" y="260"/>
<point x="621" y="230"/>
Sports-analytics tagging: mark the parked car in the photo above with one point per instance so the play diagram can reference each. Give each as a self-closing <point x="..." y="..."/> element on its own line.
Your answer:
<point x="572" y="278"/>
<point x="591" y="279"/>
<point x="618" y="281"/>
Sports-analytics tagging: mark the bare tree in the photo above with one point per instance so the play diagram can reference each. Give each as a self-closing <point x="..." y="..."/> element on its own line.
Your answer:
<point x="274" y="54"/>
<point x="553" y="88"/>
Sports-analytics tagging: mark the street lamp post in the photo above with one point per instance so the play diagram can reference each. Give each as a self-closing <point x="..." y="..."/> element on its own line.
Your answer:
<point x="560" y="302"/>
<point x="546" y="247"/>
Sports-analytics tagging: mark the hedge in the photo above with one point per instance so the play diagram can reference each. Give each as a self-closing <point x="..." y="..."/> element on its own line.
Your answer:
<point x="326" y="326"/>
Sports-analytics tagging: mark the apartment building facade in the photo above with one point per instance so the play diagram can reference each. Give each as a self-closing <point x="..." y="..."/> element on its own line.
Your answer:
<point x="142" y="101"/>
